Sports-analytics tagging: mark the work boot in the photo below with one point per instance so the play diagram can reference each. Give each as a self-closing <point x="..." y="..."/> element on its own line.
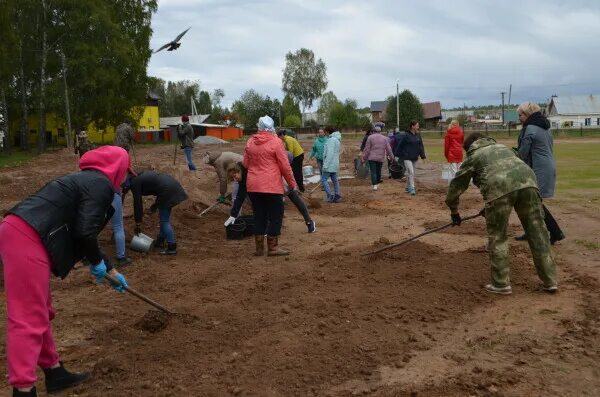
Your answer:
<point x="312" y="226"/>
<point x="30" y="393"/>
<point x="59" y="378"/>
<point x="170" y="250"/>
<point x="159" y="243"/>
<point x="272" y="242"/>
<point x="336" y="198"/>
<point x="259" y="241"/>
<point x="498" y="290"/>
<point x="554" y="239"/>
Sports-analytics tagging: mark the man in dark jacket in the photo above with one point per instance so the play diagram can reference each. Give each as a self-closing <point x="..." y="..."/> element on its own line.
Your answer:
<point x="186" y="136"/>
<point x="49" y="232"/>
<point x="168" y="194"/>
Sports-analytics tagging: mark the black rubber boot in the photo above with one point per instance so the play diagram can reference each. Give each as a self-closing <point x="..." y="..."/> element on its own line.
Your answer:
<point x="170" y="250"/>
<point x="159" y="243"/>
<point x="59" y="378"/>
<point x="30" y="393"/>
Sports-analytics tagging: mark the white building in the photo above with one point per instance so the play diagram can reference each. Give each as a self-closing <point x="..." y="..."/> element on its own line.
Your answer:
<point x="574" y="111"/>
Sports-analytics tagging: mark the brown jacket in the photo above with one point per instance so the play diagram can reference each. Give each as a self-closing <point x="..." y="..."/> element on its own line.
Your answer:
<point x="222" y="160"/>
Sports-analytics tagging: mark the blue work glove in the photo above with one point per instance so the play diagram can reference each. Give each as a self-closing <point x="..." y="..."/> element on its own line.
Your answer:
<point x="120" y="288"/>
<point x="221" y="199"/>
<point x="98" y="271"/>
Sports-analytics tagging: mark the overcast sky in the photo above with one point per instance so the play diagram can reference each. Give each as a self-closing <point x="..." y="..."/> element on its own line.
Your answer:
<point x="458" y="52"/>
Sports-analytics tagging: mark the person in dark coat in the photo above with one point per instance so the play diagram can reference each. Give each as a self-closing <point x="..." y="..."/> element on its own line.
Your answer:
<point x="48" y="233"/>
<point x="168" y="192"/>
<point x="409" y="147"/>
<point x="535" y="148"/>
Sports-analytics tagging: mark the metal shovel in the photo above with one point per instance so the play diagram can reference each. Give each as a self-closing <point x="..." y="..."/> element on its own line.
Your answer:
<point x="437" y="229"/>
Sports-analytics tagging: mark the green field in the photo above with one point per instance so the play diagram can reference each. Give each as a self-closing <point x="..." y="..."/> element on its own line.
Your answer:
<point x="577" y="163"/>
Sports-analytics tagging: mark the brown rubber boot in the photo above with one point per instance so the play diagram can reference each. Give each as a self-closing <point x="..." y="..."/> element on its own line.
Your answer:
<point x="260" y="245"/>
<point x="272" y="246"/>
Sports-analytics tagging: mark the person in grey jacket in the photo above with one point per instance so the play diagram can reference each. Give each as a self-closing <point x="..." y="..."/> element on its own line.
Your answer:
<point x="222" y="161"/>
<point x="535" y="148"/>
<point x="186" y="136"/>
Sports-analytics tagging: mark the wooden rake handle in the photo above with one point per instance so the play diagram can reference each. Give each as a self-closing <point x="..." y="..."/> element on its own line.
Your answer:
<point x="437" y="229"/>
<point x="139" y="295"/>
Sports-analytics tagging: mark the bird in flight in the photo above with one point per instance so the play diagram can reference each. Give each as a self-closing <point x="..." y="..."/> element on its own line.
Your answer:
<point x="173" y="45"/>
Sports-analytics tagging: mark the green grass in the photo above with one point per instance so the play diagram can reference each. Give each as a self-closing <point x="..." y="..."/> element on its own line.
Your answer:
<point x="15" y="159"/>
<point x="577" y="167"/>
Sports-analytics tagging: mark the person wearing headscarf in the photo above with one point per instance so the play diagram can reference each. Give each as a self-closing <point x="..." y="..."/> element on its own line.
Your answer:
<point x="48" y="233"/>
<point x="266" y="162"/>
<point x="535" y="148"/>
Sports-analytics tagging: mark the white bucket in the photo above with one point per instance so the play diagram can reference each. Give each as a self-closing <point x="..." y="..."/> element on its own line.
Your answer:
<point x="308" y="171"/>
<point x="446" y="173"/>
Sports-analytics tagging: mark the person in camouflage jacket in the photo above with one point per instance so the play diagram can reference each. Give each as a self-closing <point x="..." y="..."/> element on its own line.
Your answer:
<point x="505" y="182"/>
<point x="124" y="136"/>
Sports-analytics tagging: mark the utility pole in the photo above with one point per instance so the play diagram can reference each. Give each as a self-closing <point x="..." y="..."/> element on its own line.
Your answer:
<point x="398" y="105"/>
<point x="67" y="107"/>
<point x="509" y="93"/>
<point x="502" y="93"/>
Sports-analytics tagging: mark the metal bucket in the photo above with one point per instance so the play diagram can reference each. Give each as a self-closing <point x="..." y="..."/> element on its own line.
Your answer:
<point x="141" y="243"/>
<point x="308" y="171"/>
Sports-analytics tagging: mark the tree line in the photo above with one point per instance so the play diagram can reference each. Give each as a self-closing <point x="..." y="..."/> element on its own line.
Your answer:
<point x="84" y="60"/>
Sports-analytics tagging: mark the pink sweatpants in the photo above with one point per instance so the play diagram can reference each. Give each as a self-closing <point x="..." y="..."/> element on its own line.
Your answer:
<point x="28" y="302"/>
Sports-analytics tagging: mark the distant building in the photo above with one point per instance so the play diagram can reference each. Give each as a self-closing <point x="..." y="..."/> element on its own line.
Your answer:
<point x="313" y="116"/>
<point x="574" y="111"/>
<point x="432" y="113"/>
<point x="378" y="111"/>
<point x="452" y="114"/>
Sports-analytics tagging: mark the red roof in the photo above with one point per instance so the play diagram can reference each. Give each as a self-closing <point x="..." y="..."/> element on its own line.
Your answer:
<point x="432" y="110"/>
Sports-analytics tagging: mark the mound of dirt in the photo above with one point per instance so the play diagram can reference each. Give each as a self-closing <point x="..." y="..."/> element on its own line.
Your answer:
<point x="153" y="321"/>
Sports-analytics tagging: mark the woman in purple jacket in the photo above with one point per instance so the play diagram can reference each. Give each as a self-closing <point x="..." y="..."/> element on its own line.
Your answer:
<point x="377" y="149"/>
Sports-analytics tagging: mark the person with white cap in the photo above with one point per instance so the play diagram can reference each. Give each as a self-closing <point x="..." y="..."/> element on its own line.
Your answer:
<point x="266" y="162"/>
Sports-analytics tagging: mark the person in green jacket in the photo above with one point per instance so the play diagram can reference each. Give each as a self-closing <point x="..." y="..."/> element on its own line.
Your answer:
<point x="318" y="148"/>
<point x="505" y="182"/>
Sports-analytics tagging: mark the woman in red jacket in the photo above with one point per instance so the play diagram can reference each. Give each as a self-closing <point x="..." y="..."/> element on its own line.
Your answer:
<point x="266" y="162"/>
<point x="453" y="150"/>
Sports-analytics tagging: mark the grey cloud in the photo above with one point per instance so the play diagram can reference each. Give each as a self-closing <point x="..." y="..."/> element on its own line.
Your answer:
<point x="457" y="52"/>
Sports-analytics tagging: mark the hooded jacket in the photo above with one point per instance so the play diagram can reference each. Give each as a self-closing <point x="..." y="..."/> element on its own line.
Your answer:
<point x="69" y="212"/>
<point x="186" y="135"/>
<point x="266" y="162"/>
<point x="495" y="169"/>
<point x="221" y="161"/>
<point x="331" y="152"/>
<point x="318" y="148"/>
<point x="453" y="141"/>
<point x="377" y="148"/>
<point x="168" y="191"/>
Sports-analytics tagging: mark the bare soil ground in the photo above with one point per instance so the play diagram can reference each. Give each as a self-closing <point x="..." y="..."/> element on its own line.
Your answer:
<point x="326" y="321"/>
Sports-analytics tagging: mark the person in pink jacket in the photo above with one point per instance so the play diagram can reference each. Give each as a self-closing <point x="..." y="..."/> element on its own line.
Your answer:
<point x="48" y="233"/>
<point x="267" y="162"/>
<point x="376" y="150"/>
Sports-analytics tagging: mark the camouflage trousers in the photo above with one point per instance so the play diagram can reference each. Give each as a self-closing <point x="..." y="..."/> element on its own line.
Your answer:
<point x="528" y="206"/>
